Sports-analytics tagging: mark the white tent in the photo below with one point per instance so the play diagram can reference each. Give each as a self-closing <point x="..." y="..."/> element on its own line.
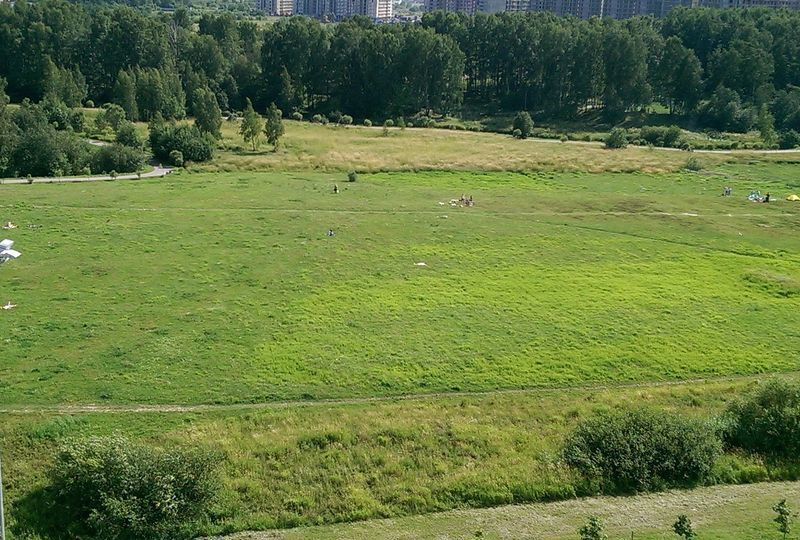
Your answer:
<point x="6" y="244"/>
<point x="7" y="254"/>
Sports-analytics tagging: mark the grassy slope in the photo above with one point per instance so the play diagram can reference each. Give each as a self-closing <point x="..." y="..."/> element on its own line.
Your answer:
<point x="331" y="148"/>
<point x="324" y="463"/>
<point x="718" y="513"/>
<point x="226" y="289"/>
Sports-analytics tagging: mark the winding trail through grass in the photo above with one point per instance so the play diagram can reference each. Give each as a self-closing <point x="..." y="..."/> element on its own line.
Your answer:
<point x="109" y="408"/>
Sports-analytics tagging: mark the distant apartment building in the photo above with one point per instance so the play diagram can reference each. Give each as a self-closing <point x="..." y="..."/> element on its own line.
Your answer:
<point x="461" y="6"/>
<point x="329" y="9"/>
<point x="585" y="9"/>
<point x="278" y="8"/>
<point x="775" y="4"/>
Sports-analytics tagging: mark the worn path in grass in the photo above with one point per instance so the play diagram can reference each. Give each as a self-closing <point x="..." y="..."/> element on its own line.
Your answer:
<point x="742" y="512"/>
<point x="157" y="172"/>
<point x="527" y="392"/>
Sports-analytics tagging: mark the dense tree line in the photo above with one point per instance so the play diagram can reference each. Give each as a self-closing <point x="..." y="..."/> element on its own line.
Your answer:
<point x="724" y="69"/>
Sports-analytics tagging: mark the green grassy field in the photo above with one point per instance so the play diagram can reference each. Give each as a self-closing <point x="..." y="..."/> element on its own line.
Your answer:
<point x="222" y="288"/>
<point x="225" y="288"/>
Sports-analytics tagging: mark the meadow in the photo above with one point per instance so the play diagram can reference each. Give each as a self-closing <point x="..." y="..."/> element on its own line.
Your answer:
<point x="225" y="288"/>
<point x="210" y="308"/>
<point x="288" y="465"/>
<point x="312" y="147"/>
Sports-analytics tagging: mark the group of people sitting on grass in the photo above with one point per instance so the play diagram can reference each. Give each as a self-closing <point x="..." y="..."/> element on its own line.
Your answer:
<point x="755" y="196"/>
<point x="463" y="201"/>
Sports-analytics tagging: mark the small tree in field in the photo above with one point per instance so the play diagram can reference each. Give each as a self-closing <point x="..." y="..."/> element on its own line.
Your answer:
<point x="273" y="128"/>
<point x="593" y="530"/>
<point x="208" y="117"/>
<point x="251" y="126"/>
<point x="784" y="518"/>
<point x="683" y="528"/>
<point x="524" y="123"/>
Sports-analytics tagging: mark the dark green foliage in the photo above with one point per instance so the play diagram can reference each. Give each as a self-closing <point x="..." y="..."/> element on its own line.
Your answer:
<point x="297" y="116"/>
<point x="784" y="518"/>
<point x="112" y="488"/>
<point x="618" y="138"/>
<point x="112" y="116"/>
<point x="207" y="114"/>
<point x="725" y="111"/>
<point x="642" y="450"/>
<point x="670" y="137"/>
<point x="367" y="122"/>
<point x="125" y="94"/>
<point x="352" y="176"/>
<point x="522" y="125"/>
<point x="127" y="136"/>
<point x="43" y="151"/>
<point x="593" y="530"/>
<point x="251" y="127"/>
<point x="767" y="421"/>
<point x="194" y="145"/>
<point x="118" y="158"/>
<point x="38" y="139"/>
<point x="273" y="125"/>
<point x="789" y="139"/>
<point x="683" y="528"/>
<point x="346" y="120"/>
<point x="176" y="158"/>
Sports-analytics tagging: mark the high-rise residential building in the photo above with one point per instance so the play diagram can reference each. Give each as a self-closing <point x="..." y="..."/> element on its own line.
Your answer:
<point x="329" y="9"/>
<point x="462" y="6"/>
<point x="585" y="9"/>
<point x="280" y="8"/>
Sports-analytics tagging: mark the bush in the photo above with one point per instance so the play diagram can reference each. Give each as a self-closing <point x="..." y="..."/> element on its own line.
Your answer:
<point x="176" y="158"/>
<point x="127" y="136"/>
<point x="642" y="450"/>
<point x="618" y="138"/>
<point x="367" y="122"/>
<point x="352" y="176"/>
<point x="324" y="121"/>
<point x="297" y="116"/>
<point x="693" y="164"/>
<point x="517" y="134"/>
<point x="388" y="123"/>
<point x="194" y="145"/>
<point x="118" y="158"/>
<point x="400" y="122"/>
<point x="335" y="116"/>
<point x="669" y="137"/>
<point x="316" y="119"/>
<point x="89" y="104"/>
<point x="346" y="120"/>
<point x="113" y="488"/>
<point x="766" y="421"/>
<point x="524" y="124"/>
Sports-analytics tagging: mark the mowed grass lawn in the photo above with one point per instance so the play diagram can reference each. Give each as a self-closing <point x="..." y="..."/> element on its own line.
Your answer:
<point x="224" y="288"/>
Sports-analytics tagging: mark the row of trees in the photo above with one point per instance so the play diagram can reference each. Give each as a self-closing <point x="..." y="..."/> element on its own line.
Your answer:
<point x="721" y="66"/>
<point x="727" y="69"/>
